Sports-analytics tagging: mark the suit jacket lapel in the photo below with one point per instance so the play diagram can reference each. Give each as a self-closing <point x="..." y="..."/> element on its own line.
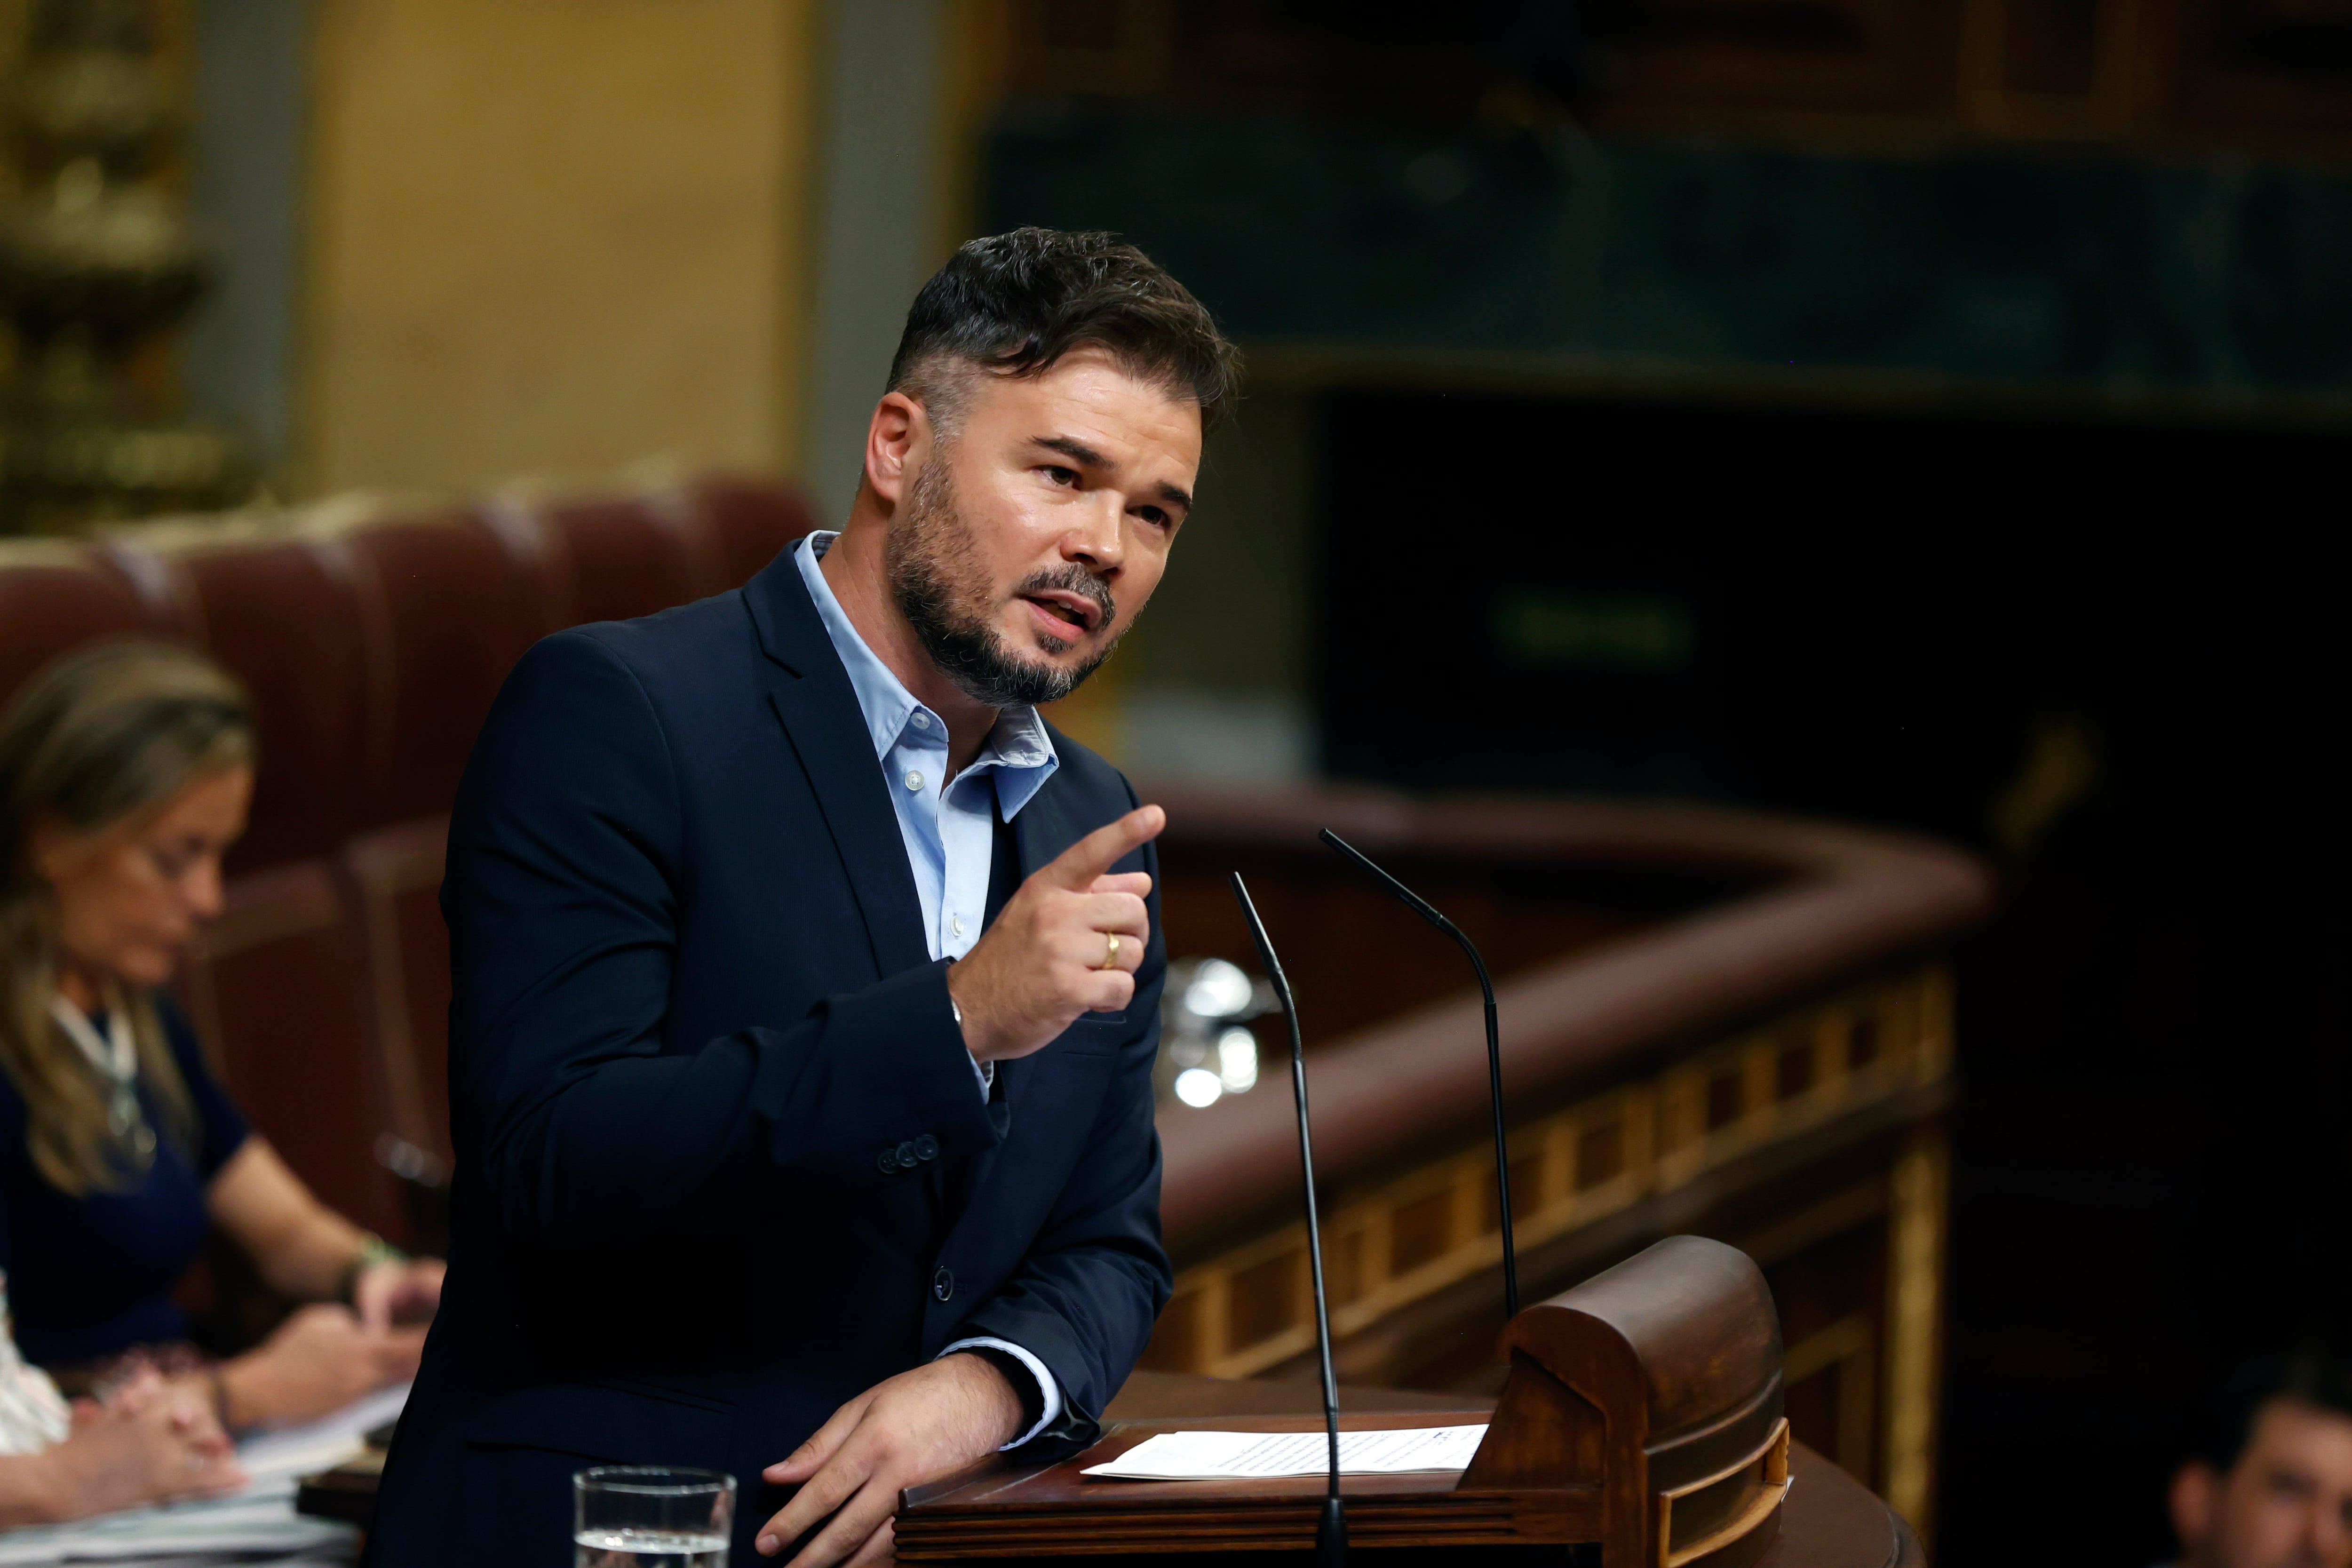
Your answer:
<point x="813" y="698"/>
<point x="1006" y="870"/>
<point x="1044" y="829"/>
<point x="1041" y="831"/>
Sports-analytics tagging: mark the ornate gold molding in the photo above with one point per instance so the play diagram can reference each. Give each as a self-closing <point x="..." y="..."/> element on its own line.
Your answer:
<point x="1404" y="1239"/>
<point x="1918" y="1193"/>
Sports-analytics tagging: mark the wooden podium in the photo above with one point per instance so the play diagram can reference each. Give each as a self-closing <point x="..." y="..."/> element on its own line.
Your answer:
<point x="1641" y="1414"/>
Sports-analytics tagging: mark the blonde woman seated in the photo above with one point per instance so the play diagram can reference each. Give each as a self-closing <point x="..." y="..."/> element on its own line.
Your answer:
<point x="125" y="772"/>
<point x="146" y="1443"/>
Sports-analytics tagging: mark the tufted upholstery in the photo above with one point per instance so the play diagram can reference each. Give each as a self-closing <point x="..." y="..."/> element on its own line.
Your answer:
<point x="440" y="607"/>
<point x="373" y="636"/>
<point x="277" y="617"/>
<point x="54" y="596"/>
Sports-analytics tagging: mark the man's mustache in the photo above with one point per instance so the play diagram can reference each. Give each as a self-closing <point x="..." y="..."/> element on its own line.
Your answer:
<point x="1073" y="579"/>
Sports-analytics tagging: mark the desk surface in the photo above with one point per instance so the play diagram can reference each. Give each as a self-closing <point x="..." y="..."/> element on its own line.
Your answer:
<point x="1160" y="1395"/>
<point x="1831" y="1520"/>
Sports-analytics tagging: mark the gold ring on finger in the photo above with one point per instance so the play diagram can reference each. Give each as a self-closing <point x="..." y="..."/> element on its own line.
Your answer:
<point x="1110" y="951"/>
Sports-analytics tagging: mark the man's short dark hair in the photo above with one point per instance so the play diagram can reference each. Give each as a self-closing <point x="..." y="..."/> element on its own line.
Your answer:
<point x="1018" y="304"/>
<point x="2226" y="1421"/>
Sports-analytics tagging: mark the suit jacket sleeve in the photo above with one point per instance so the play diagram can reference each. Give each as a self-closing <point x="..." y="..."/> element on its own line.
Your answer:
<point x="1085" y="1298"/>
<point x="566" y="862"/>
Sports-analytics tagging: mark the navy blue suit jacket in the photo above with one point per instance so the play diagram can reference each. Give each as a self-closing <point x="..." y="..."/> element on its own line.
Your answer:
<point x="693" y="1008"/>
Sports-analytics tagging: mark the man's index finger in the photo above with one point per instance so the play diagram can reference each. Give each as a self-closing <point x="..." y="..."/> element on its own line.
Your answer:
<point x="1077" y="866"/>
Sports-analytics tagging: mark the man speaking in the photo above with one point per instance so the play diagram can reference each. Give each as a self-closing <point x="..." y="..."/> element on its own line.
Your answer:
<point x="806" y="983"/>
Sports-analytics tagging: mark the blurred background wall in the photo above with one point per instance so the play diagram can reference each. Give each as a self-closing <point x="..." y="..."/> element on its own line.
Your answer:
<point x="544" y="235"/>
<point x="450" y="244"/>
<point x="1928" y="412"/>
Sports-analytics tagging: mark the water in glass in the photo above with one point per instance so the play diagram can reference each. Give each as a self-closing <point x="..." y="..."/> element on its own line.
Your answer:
<point x="650" y="1516"/>
<point x="646" y="1549"/>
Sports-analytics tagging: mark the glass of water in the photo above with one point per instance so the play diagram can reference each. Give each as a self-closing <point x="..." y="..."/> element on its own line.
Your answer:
<point x="651" y="1516"/>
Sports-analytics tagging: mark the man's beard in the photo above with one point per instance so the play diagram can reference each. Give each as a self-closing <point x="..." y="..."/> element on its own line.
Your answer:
<point x="937" y="582"/>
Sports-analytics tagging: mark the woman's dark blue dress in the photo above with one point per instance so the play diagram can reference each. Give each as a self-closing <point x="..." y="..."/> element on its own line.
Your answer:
<point x="89" y="1276"/>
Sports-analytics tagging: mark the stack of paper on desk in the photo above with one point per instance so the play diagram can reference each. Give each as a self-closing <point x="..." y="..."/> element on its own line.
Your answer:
<point x="1243" y="1455"/>
<point x="257" y="1523"/>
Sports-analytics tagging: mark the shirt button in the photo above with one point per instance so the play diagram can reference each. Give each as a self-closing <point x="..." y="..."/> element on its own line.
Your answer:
<point x="921" y="719"/>
<point x="955" y="924"/>
<point x="927" y="1147"/>
<point x="943" y="1285"/>
<point x="887" y="1162"/>
<point x="914" y="778"/>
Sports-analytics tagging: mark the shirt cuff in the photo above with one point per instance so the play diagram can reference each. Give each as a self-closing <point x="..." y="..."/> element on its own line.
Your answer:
<point x="984" y="1072"/>
<point x="1048" y="1390"/>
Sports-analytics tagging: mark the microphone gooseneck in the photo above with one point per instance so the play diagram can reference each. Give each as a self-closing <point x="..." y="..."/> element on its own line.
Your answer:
<point x="1422" y="908"/>
<point x="1331" y="1526"/>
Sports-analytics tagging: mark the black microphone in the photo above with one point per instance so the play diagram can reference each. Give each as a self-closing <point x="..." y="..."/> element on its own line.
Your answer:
<point x="1420" y="907"/>
<point x="1331" y="1530"/>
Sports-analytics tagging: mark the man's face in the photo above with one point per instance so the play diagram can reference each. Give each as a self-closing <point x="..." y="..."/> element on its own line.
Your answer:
<point x="2287" y="1504"/>
<point x="1033" y="537"/>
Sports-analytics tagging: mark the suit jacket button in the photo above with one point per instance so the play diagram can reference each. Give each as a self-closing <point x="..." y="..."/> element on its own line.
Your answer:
<point x="927" y="1147"/>
<point x="943" y="1285"/>
<point x="888" y="1163"/>
<point x="907" y="1154"/>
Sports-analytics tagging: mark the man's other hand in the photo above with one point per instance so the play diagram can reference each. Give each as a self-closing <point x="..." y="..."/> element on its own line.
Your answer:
<point x="917" y="1426"/>
<point x="1041" y="962"/>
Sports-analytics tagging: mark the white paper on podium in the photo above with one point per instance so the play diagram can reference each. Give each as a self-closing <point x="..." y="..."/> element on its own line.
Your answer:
<point x="1245" y="1455"/>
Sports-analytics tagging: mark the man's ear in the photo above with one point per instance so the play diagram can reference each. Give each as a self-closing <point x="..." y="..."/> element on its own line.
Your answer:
<point x="896" y="440"/>
<point x="2196" y="1493"/>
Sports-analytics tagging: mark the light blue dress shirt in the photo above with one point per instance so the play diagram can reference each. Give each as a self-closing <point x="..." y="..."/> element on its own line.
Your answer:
<point x="948" y="825"/>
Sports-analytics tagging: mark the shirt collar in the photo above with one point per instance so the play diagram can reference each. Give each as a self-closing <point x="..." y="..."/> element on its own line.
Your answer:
<point x="1019" y="749"/>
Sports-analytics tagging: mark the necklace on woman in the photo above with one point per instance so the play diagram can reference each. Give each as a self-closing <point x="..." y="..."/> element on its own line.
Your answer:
<point x="117" y="1062"/>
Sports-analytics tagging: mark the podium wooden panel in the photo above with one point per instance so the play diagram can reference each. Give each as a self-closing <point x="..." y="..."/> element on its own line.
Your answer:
<point x="1830" y="1521"/>
<point x="1641" y="1414"/>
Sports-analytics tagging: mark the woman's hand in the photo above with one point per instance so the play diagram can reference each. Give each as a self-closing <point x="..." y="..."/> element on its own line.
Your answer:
<point x="320" y="1359"/>
<point x="398" y="1290"/>
<point x="149" y="1442"/>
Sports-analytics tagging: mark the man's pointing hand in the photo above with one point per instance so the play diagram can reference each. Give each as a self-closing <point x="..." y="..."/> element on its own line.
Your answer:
<point x="1051" y="955"/>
